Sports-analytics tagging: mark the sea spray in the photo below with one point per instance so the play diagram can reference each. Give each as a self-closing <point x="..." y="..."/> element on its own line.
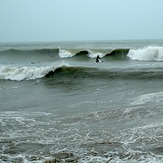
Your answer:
<point x="150" y="53"/>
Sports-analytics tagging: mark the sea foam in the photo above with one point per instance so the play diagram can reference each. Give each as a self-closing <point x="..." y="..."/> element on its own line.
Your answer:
<point x="150" y="53"/>
<point x="18" y="73"/>
<point x="64" y="53"/>
<point x="149" y="97"/>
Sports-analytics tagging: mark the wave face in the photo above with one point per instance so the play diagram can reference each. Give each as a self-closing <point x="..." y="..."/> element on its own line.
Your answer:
<point x="93" y="53"/>
<point x="95" y="73"/>
<point x="151" y="53"/>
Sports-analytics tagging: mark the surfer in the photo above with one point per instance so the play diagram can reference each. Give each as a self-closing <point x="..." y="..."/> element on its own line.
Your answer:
<point x="98" y="59"/>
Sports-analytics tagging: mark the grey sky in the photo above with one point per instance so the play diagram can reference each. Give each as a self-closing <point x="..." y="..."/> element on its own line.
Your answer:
<point x="70" y="20"/>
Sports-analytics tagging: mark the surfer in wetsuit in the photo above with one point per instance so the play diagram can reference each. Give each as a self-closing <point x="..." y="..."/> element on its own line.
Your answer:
<point x="98" y="58"/>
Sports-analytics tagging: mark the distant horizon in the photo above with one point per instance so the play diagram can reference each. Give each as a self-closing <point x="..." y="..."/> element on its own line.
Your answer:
<point x="66" y="41"/>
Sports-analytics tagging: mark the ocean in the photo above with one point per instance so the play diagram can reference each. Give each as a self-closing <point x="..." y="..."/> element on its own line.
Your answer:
<point x="58" y="105"/>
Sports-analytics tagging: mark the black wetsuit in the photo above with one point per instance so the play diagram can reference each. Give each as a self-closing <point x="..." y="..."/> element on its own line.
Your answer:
<point x="98" y="59"/>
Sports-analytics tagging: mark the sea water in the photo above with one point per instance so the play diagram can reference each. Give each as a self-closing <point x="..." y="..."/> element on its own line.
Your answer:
<point x="58" y="105"/>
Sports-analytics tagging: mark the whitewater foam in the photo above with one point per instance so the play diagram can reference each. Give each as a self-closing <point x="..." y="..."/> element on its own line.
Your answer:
<point x="150" y="53"/>
<point x="18" y="73"/>
<point x="147" y="98"/>
<point x="130" y="157"/>
<point x="64" y="53"/>
<point x="94" y="55"/>
<point x="73" y="52"/>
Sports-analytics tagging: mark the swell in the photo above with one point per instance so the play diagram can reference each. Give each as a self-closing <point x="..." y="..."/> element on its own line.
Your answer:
<point x="95" y="73"/>
<point x="92" y="53"/>
<point x="18" y="73"/>
<point x="150" y="53"/>
<point x="67" y="53"/>
<point x="20" y="56"/>
<point x="31" y="51"/>
<point x="59" y="71"/>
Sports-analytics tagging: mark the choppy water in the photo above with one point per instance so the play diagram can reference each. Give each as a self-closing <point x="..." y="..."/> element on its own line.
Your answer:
<point x="58" y="105"/>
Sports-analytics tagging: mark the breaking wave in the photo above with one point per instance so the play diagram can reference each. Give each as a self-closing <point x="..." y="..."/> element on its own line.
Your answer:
<point x="18" y="73"/>
<point x="151" y="53"/>
<point x="92" y="53"/>
<point x="66" y="53"/>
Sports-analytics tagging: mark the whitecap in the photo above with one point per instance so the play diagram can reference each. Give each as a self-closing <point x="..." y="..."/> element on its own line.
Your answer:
<point x="150" y="53"/>
<point x="18" y="73"/>
<point x="64" y="53"/>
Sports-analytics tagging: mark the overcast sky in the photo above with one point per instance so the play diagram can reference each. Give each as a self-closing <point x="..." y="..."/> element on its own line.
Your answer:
<point x="72" y="20"/>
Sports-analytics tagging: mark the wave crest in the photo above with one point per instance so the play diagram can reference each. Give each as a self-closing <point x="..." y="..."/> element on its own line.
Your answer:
<point x="72" y="52"/>
<point x="26" y="73"/>
<point x="64" y="53"/>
